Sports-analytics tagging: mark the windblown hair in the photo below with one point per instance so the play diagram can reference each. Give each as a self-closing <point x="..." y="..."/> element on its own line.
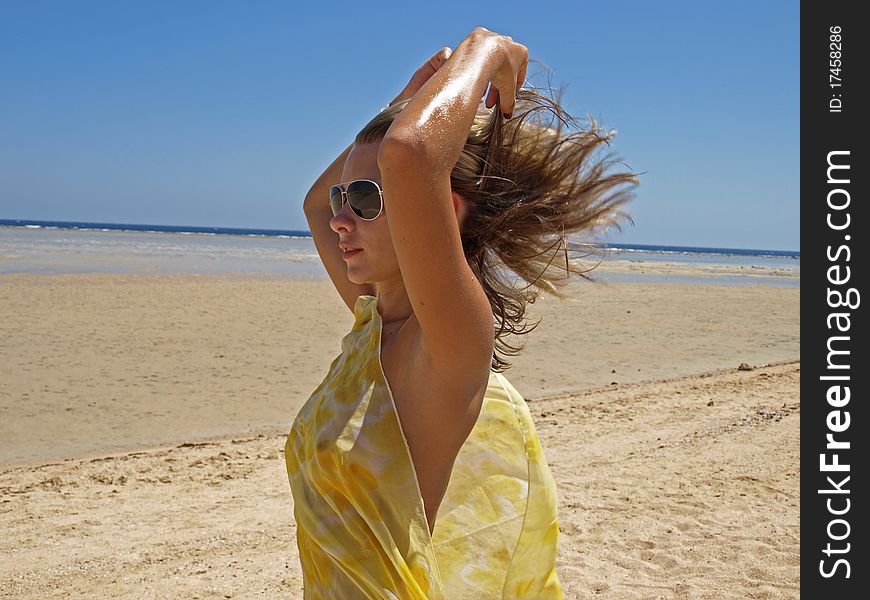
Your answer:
<point x="527" y="185"/>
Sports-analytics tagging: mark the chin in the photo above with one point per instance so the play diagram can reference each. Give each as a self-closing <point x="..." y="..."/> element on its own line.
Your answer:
<point x="358" y="278"/>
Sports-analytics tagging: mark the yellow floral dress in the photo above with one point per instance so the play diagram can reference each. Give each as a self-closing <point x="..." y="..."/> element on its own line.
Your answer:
<point x="361" y="526"/>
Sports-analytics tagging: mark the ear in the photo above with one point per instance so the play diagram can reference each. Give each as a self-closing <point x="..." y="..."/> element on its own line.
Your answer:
<point x="458" y="207"/>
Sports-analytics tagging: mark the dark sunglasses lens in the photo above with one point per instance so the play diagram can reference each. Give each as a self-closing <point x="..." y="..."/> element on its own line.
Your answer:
<point x="364" y="199"/>
<point x="335" y="199"/>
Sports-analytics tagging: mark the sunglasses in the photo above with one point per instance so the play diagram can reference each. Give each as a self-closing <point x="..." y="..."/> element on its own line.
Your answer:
<point x="364" y="196"/>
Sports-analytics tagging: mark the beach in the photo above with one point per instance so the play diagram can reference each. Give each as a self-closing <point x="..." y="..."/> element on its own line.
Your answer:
<point x="144" y="418"/>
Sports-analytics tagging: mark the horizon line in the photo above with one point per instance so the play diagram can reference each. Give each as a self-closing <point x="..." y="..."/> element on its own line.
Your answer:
<point x="5" y="222"/>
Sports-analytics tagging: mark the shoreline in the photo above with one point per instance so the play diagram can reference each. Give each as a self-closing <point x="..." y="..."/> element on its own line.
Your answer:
<point x="72" y="251"/>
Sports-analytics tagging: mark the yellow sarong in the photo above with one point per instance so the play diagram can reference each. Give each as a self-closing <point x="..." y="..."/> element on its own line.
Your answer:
<point x="361" y="526"/>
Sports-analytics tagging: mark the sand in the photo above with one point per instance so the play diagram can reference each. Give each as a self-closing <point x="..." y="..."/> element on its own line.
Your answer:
<point x="143" y="419"/>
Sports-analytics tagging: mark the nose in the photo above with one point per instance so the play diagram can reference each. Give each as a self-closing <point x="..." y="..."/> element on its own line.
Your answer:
<point x="343" y="219"/>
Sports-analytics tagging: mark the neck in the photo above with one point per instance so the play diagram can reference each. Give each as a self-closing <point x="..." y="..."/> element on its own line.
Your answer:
<point x="393" y="303"/>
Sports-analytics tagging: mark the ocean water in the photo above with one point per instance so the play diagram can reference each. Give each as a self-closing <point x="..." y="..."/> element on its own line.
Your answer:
<point x="53" y="247"/>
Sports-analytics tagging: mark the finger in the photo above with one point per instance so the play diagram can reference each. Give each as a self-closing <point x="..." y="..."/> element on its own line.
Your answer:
<point x="521" y="79"/>
<point x="439" y="58"/>
<point x="508" y="100"/>
<point x="492" y="97"/>
<point x="429" y="68"/>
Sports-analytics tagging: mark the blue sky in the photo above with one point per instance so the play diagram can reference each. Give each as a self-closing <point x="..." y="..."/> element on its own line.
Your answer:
<point x="224" y="113"/>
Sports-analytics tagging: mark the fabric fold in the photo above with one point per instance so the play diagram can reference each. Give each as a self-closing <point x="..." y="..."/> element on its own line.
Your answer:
<point x="361" y="522"/>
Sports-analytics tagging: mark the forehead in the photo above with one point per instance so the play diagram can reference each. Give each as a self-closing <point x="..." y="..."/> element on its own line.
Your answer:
<point x="362" y="163"/>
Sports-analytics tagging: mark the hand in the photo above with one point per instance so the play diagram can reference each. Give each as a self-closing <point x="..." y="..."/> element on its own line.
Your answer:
<point x="510" y="74"/>
<point x="422" y="75"/>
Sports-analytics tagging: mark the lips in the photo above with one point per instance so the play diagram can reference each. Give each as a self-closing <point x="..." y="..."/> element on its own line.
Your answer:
<point x="350" y="252"/>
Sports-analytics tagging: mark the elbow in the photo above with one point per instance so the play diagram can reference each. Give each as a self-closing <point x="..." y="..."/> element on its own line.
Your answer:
<point x="309" y="207"/>
<point x="399" y="150"/>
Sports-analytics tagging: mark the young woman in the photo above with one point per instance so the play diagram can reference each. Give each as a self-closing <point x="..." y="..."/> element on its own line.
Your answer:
<point x="415" y="468"/>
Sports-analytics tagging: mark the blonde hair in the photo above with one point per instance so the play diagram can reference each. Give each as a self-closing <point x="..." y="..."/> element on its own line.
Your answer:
<point x="527" y="185"/>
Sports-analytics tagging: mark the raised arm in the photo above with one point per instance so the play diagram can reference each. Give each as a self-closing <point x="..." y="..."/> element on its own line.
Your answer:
<point x="415" y="160"/>
<point x="316" y="205"/>
<point x="318" y="213"/>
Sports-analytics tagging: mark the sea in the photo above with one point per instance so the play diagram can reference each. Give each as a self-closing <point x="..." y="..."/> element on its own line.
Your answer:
<point x="71" y="247"/>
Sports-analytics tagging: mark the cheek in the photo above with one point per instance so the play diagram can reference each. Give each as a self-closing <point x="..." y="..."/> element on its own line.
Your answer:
<point x="385" y="251"/>
<point x="383" y="240"/>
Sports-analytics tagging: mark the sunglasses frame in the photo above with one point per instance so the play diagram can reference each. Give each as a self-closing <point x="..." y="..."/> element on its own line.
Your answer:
<point x="344" y="198"/>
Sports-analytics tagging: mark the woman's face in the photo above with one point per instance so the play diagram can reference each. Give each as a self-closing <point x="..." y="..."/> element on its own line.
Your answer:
<point x="377" y="262"/>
